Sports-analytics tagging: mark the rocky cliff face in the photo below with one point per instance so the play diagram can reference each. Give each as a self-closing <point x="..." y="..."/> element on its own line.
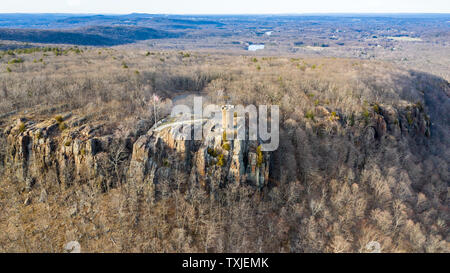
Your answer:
<point x="77" y="152"/>
<point x="379" y="122"/>
<point x="212" y="162"/>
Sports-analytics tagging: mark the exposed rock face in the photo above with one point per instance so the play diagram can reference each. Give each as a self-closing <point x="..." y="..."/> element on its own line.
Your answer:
<point x="411" y="121"/>
<point x="73" y="153"/>
<point x="211" y="162"/>
<point x="76" y="151"/>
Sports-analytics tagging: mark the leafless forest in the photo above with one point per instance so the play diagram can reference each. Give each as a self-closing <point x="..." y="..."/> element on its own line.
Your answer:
<point x="363" y="156"/>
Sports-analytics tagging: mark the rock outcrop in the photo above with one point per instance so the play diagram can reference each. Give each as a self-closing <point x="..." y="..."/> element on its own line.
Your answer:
<point x="73" y="150"/>
<point x="77" y="151"/>
<point x="212" y="162"/>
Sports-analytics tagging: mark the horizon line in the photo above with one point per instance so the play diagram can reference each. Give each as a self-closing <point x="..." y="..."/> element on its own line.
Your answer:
<point x="234" y="14"/>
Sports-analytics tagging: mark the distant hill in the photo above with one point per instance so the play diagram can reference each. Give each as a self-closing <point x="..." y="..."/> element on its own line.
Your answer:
<point x="66" y="21"/>
<point x="98" y="29"/>
<point x="88" y="36"/>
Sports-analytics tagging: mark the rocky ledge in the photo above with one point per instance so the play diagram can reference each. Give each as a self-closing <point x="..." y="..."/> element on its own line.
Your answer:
<point x="77" y="151"/>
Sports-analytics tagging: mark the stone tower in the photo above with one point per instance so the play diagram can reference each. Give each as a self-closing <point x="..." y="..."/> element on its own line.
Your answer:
<point x="228" y="118"/>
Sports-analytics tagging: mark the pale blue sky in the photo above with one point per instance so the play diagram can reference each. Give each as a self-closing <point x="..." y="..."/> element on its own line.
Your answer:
<point x="224" y="6"/>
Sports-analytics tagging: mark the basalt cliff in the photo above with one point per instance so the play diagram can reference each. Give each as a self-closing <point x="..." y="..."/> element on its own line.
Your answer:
<point x="77" y="151"/>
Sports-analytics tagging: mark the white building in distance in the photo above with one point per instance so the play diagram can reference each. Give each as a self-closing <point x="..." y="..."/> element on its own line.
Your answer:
<point x="255" y="47"/>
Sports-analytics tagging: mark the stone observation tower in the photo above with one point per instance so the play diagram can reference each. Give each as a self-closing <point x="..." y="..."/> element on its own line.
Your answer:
<point x="229" y="121"/>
